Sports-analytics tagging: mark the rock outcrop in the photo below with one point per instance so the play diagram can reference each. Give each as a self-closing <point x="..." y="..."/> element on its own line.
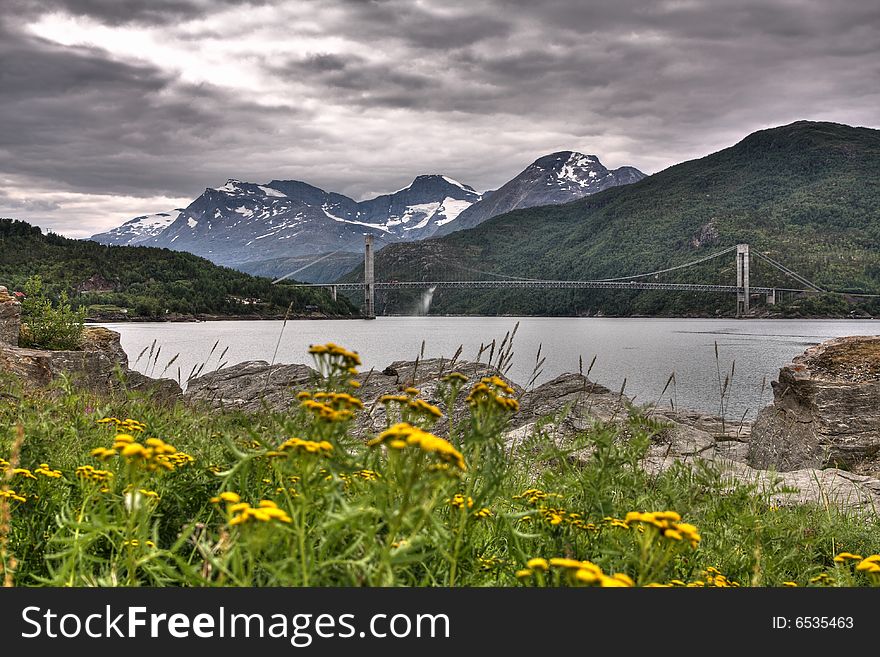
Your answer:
<point x="10" y="318"/>
<point x="825" y="412"/>
<point x="100" y="366"/>
<point x="251" y="386"/>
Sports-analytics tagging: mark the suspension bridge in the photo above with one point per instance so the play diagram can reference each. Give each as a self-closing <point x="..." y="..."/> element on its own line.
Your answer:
<point x="743" y="289"/>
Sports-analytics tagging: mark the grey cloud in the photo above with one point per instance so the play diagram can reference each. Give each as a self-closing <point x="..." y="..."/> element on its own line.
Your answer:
<point x="73" y="117"/>
<point x="26" y="205"/>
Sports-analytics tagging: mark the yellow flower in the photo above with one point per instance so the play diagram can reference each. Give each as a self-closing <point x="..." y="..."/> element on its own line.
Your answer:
<point x="322" y="448"/>
<point x="102" y="453"/>
<point x="414" y="437"/>
<point x="522" y="574"/>
<point x="458" y="501"/>
<point x="626" y="579"/>
<point x="12" y="495"/>
<point x="424" y="407"/>
<point x="24" y="472"/>
<point x="384" y="399"/>
<point x="537" y="564"/>
<point x="586" y="576"/>
<point x="226" y="496"/>
<point x="455" y="376"/>
<point x="870" y="564"/>
<point x="412" y="391"/>
<point x="790" y="584"/>
<point x="89" y="473"/>
<point x="847" y="556"/>
<point x="46" y="471"/>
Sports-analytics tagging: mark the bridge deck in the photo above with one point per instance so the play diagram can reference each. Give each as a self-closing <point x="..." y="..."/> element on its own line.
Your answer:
<point x="544" y="285"/>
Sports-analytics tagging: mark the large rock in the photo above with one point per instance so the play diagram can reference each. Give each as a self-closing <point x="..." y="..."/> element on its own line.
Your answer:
<point x="10" y="318"/>
<point x="825" y="411"/>
<point x="100" y="366"/>
<point x="251" y="386"/>
<point x="254" y="385"/>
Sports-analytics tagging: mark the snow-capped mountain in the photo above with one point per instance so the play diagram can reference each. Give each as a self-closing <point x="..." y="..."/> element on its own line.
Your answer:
<point x="267" y="227"/>
<point x="242" y="221"/>
<point x="556" y="178"/>
<point x="139" y="229"/>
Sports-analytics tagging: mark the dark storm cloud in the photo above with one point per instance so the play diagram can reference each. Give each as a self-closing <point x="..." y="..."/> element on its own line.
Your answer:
<point x="358" y="96"/>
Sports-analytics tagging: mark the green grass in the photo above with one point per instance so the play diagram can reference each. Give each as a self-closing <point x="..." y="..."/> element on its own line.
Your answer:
<point x="353" y="514"/>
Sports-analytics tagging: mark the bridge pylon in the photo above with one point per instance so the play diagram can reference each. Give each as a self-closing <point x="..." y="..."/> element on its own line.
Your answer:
<point x="743" y="291"/>
<point x="369" y="279"/>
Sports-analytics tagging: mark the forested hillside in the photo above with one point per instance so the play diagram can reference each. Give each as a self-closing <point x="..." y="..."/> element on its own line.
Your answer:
<point x="144" y="281"/>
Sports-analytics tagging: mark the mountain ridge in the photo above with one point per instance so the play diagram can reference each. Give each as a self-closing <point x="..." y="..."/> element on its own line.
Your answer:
<point x="257" y="227"/>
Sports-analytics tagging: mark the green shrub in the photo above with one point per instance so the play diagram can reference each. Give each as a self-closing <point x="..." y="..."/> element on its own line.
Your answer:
<point x="46" y="325"/>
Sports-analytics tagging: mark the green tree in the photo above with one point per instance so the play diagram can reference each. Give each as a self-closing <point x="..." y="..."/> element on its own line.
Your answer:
<point x="47" y="325"/>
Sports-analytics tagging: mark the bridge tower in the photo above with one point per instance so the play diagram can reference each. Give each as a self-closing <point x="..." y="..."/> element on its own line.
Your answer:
<point x="742" y="280"/>
<point x="369" y="279"/>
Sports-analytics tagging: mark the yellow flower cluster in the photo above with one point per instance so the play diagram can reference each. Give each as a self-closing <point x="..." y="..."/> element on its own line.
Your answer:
<point x="417" y="405"/>
<point x="89" y="473"/>
<point x="457" y="377"/>
<point x="46" y="471"/>
<point x="868" y="565"/>
<point x="714" y="578"/>
<point x="326" y="412"/>
<point x="483" y="512"/>
<point x="241" y="512"/>
<point x="489" y="563"/>
<point x="153" y="454"/>
<point x="134" y="543"/>
<point x="535" y="495"/>
<point x="12" y="495"/>
<point x="458" y="501"/>
<point x="336" y="353"/>
<point x="23" y="472"/>
<point x="322" y="448"/>
<point x="667" y="523"/>
<point x="576" y="572"/>
<point x="403" y="435"/>
<point x="127" y="425"/>
<point x="339" y="400"/>
<point x="493" y="390"/>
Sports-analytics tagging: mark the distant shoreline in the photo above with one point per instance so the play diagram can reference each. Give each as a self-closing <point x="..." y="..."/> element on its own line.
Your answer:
<point x="182" y="319"/>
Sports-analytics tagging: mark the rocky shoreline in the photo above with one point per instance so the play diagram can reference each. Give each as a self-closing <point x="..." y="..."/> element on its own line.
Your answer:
<point x="818" y="443"/>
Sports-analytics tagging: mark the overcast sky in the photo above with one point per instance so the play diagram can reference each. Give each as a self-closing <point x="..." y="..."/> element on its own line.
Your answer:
<point x="114" y="108"/>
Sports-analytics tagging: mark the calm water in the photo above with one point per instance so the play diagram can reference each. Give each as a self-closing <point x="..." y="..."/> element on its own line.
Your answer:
<point x="642" y="351"/>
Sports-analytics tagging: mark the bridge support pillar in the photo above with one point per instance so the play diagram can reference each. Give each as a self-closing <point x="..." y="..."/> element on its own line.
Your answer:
<point x="743" y="292"/>
<point x="369" y="279"/>
<point x="333" y="292"/>
<point x="771" y="297"/>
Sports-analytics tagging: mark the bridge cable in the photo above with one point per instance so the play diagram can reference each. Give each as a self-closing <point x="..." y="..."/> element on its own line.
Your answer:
<point x="788" y="272"/>
<point x="313" y="262"/>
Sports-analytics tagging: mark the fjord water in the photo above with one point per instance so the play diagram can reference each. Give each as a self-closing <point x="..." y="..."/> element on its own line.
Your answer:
<point x="644" y="352"/>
